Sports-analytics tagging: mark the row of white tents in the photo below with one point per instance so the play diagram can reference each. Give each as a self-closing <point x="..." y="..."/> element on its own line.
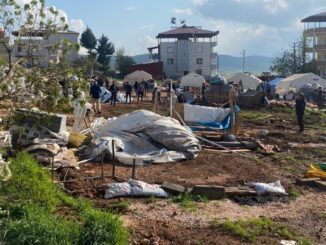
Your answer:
<point x="248" y="80"/>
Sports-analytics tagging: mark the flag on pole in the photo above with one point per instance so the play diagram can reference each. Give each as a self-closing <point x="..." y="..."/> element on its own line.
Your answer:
<point x="173" y="20"/>
<point x="182" y="22"/>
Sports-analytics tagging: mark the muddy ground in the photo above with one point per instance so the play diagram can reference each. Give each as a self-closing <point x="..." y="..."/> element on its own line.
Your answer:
<point x="157" y="221"/>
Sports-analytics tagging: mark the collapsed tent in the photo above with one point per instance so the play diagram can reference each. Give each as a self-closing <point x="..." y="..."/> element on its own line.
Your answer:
<point x="207" y="116"/>
<point x="192" y="80"/>
<point x="146" y="137"/>
<point x="138" y="76"/>
<point x="296" y="81"/>
<point x="248" y="80"/>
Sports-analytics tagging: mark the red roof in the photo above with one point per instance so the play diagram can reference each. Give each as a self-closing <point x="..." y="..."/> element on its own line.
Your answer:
<point x="187" y="32"/>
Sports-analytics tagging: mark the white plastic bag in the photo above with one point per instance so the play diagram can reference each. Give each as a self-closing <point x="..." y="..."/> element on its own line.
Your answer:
<point x="140" y="188"/>
<point x="118" y="190"/>
<point x="263" y="188"/>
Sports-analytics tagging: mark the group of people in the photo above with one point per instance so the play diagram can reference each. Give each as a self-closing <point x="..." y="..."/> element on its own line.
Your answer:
<point x="95" y="93"/>
<point x="141" y="89"/>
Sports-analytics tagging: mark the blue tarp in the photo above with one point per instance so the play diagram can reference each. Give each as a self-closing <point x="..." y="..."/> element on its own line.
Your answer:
<point x="224" y="125"/>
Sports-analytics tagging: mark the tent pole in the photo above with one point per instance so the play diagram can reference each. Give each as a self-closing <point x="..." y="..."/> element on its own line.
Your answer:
<point x="171" y="99"/>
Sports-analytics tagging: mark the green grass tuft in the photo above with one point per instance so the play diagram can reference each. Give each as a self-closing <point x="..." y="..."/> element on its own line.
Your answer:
<point x="31" y="212"/>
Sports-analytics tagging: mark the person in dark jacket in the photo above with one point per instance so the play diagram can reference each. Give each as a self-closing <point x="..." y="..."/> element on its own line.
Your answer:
<point x="114" y="90"/>
<point x="95" y="92"/>
<point x="140" y="92"/>
<point x="128" y="90"/>
<point x="136" y="85"/>
<point x="300" y="105"/>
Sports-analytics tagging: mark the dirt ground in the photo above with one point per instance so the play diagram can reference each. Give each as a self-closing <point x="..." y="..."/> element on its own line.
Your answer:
<point x="158" y="221"/>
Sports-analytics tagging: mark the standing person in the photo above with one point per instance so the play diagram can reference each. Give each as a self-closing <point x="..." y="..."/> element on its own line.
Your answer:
<point x="136" y="85"/>
<point x="114" y="90"/>
<point x="203" y="88"/>
<point x="320" y="96"/>
<point x="268" y="89"/>
<point x="300" y="105"/>
<point x="128" y="90"/>
<point x="140" y="92"/>
<point x="95" y="92"/>
<point x="146" y="87"/>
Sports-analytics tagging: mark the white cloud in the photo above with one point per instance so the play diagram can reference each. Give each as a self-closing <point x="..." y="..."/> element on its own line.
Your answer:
<point x="186" y="11"/>
<point x="76" y="25"/>
<point x="131" y="8"/>
<point x="148" y="27"/>
<point x="198" y="2"/>
<point x="148" y="41"/>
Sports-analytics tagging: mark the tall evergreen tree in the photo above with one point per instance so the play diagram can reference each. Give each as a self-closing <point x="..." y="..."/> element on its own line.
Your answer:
<point x="88" y="40"/>
<point x="123" y="62"/>
<point x="105" y="50"/>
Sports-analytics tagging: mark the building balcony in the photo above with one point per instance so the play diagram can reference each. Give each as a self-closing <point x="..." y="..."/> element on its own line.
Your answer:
<point x="316" y="31"/>
<point x="318" y="47"/>
<point x="214" y="56"/>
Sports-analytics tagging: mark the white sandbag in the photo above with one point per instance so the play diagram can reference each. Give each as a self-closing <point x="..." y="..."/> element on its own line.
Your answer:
<point x="271" y="188"/>
<point x="134" y="188"/>
<point x="142" y="189"/>
<point x="118" y="190"/>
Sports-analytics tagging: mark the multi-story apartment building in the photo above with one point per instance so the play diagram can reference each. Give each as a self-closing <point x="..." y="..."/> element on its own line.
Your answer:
<point x="188" y="49"/>
<point x="41" y="48"/>
<point x="314" y="35"/>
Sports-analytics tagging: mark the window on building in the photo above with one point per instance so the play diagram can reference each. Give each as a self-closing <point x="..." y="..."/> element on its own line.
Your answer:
<point x="170" y="50"/>
<point x="170" y="61"/>
<point x="199" y="61"/>
<point x="19" y="48"/>
<point x="199" y="71"/>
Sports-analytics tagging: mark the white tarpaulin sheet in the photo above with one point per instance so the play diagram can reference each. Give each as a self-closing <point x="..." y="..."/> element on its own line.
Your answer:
<point x="196" y="113"/>
<point x="146" y="137"/>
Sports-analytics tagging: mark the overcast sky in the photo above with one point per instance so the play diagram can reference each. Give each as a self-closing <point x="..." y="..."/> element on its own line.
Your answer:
<point x="262" y="27"/>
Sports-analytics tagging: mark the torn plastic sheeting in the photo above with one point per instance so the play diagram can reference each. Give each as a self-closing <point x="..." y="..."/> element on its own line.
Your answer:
<point x="134" y="188"/>
<point x="146" y="137"/>
<point x="271" y="188"/>
<point x="196" y="113"/>
<point x="317" y="171"/>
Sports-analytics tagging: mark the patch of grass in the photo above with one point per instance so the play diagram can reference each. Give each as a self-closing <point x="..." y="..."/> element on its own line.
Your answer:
<point x="250" y="230"/>
<point x="30" y="211"/>
<point x="294" y="194"/>
<point x="322" y="216"/>
<point x="188" y="201"/>
<point x="119" y="207"/>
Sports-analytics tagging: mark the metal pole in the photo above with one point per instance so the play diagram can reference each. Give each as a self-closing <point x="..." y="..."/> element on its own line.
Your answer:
<point x="133" y="168"/>
<point x="171" y="99"/>
<point x="113" y="159"/>
<point x="102" y="165"/>
<point x="243" y="61"/>
<point x="52" y="168"/>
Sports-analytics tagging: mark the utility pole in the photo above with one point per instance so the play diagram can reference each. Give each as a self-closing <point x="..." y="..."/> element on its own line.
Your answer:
<point x="295" y="70"/>
<point x="243" y="60"/>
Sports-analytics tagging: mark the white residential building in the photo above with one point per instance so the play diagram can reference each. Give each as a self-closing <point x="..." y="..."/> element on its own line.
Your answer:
<point x="188" y="49"/>
<point x="314" y="35"/>
<point x="43" y="47"/>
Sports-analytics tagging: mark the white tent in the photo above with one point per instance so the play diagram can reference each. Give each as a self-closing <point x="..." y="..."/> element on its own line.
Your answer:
<point x="138" y="76"/>
<point x="296" y="81"/>
<point x="192" y="80"/>
<point x="248" y="80"/>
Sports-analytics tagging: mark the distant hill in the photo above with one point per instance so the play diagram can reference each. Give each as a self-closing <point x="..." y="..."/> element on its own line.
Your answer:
<point x="254" y="63"/>
<point x="230" y="64"/>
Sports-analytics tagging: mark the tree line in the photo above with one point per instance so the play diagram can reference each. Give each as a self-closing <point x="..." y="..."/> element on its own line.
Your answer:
<point x="100" y="51"/>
